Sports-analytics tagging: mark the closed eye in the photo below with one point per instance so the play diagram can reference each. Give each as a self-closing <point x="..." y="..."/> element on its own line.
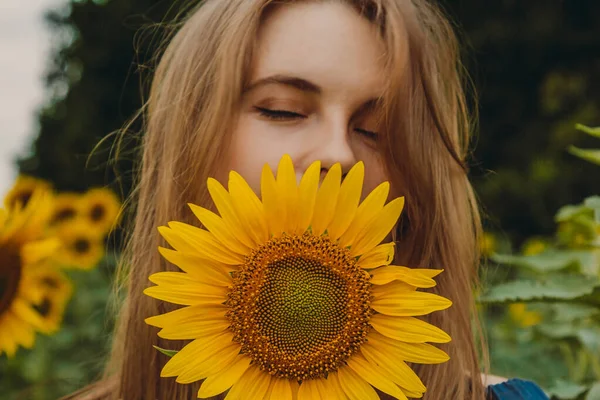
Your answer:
<point x="368" y="134"/>
<point x="279" y="114"/>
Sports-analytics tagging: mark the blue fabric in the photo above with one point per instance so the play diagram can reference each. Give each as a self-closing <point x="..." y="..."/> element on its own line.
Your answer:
<point x="516" y="389"/>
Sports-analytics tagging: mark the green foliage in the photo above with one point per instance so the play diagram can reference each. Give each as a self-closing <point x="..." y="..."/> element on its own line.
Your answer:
<point x="592" y="156"/>
<point x="556" y="321"/>
<point x="75" y="356"/>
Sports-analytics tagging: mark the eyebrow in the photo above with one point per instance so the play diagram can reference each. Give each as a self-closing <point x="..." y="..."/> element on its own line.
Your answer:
<point x="292" y="81"/>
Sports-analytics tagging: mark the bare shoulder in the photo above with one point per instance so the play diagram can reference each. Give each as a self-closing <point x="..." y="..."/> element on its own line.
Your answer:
<point x="488" y="379"/>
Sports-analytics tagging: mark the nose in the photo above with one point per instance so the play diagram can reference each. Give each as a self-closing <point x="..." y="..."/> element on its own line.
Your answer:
<point x="335" y="147"/>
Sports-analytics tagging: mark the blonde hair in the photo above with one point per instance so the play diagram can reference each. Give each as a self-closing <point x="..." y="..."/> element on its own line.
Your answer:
<point x="195" y="92"/>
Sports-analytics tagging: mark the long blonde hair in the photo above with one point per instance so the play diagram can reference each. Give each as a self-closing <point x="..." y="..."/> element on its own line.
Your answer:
<point x="195" y="92"/>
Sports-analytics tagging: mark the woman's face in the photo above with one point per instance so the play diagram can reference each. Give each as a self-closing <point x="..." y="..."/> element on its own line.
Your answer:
<point x="314" y="85"/>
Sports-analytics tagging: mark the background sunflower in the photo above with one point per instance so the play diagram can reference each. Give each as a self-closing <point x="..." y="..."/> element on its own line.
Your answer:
<point x="23" y="189"/>
<point x="101" y="209"/>
<point x="23" y="250"/>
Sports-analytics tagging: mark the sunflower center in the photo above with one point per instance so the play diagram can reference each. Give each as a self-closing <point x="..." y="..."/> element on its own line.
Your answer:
<point x="300" y="306"/>
<point x="81" y="246"/>
<point x="10" y="275"/>
<point x="97" y="212"/>
<point x="23" y="198"/>
<point x="44" y="307"/>
<point x="63" y="214"/>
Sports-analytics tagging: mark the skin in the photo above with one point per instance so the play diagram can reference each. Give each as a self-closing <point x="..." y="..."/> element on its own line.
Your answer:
<point x="314" y="85"/>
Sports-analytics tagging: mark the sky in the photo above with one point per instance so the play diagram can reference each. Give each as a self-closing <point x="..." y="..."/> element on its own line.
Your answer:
<point x="24" y="49"/>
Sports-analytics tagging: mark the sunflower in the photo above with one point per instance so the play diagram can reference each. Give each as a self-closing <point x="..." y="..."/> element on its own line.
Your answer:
<point x="24" y="250"/>
<point x="294" y="296"/>
<point x="101" y="208"/>
<point x="66" y="208"/>
<point x="23" y="189"/>
<point x="83" y="248"/>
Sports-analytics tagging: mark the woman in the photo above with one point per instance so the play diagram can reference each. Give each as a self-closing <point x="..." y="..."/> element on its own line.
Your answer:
<point x="244" y="82"/>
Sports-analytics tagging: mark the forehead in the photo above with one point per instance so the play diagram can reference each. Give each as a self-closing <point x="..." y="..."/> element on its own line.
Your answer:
<point x="327" y="43"/>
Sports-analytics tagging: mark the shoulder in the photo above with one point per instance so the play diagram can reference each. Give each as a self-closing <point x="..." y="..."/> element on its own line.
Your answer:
<point x="515" y="389"/>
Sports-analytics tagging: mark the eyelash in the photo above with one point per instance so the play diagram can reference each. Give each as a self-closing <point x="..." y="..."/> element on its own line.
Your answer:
<point x="281" y="115"/>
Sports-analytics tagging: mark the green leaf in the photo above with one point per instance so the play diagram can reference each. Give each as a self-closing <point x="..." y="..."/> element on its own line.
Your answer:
<point x="569" y="212"/>
<point x="566" y="390"/>
<point x="591" y="155"/>
<point x="168" y="353"/>
<point x="549" y="261"/>
<point x="589" y="130"/>
<point x="551" y="287"/>
<point x="569" y="312"/>
<point x="557" y="330"/>
<point x="594" y="393"/>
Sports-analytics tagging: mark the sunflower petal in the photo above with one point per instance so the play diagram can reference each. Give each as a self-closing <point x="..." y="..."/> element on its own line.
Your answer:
<point x="367" y="210"/>
<point x="215" y="225"/>
<point x="409" y="304"/>
<point x="207" y="271"/>
<point x="408" y="329"/>
<point x="224" y="379"/>
<point x="274" y="212"/>
<point x="281" y="389"/>
<point x="430" y="273"/>
<point x="34" y="252"/>
<point x="355" y="387"/>
<point x="191" y="240"/>
<point x="378" y="228"/>
<point x="307" y="195"/>
<point x="183" y="314"/>
<point x="380" y="255"/>
<point x="349" y="196"/>
<point x="198" y="349"/>
<point x="394" y="368"/>
<point x="421" y="353"/>
<point x="249" y="208"/>
<point x="413" y="277"/>
<point x="252" y="385"/>
<point x="288" y="191"/>
<point x="333" y="387"/>
<point x="211" y="361"/>
<point x="309" y="390"/>
<point x="326" y="201"/>
<point x="361" y="366"/>
<point x="224" y="204"/>
<point x="194" y="328"/>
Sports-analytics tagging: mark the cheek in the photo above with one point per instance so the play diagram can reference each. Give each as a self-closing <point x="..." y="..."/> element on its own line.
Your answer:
<point x="253" y="145"/>
<point x="375" y="173"/>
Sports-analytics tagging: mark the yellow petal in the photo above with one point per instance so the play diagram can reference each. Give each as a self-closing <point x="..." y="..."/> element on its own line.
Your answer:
<point x="248" y="208"/>
<point x="413" y="277"/>
<point x="348" y="198"/>
<point x="197" y="349"/>
<point x="215" y="225"/>
<point x="271" y="201"/>
<point x="381" y="255"/>
<point x="211" y="361"/>
<point x="378" y="228"/>
<point x="252" y="385"/>
<point x="309" y="390"/>
<point x="326" y="201"/>
<point x="333" y="388"/>
<point x="207" y="271"/>
<point x="191" y="240"/>
<point x="34" y="252"/>
<point x="281" y="389"/>
<point x="196" y="327"/>
<point x="367" y="210"/>
<point x="179" y="288"/>
<point x="394" y="368"/>
<point x="371" y="374"/>
<point x="181" y="315"/>
<point x="409" y="304"/>
<point x="224" y="379"/>
<point x="421" y="353"/>
<point x="224" y="205"/>
<point x="408" y="329"/>
<point x="307" y="195"/>
<point x="355" y="387"/>
<point x="431" y="273"/>
<point x="288" y="190"/>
